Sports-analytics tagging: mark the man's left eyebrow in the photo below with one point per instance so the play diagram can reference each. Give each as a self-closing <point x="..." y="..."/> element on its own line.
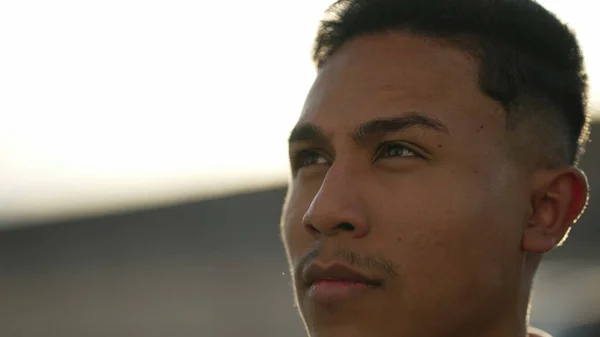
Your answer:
<point x="379" y="126"/>
<point x="307" y="132"/>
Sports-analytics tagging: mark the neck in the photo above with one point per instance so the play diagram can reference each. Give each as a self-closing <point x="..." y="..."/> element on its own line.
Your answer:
<point x="512" y="319"/>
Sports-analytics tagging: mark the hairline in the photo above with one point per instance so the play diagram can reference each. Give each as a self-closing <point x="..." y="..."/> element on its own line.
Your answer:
<point x="536" y="155"/>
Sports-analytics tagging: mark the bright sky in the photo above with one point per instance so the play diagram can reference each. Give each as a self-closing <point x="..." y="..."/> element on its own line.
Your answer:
<point x="111" y="104"/>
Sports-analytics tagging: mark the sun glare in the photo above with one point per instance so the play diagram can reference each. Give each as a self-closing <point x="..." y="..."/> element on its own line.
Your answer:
<point x="114" y="104"/>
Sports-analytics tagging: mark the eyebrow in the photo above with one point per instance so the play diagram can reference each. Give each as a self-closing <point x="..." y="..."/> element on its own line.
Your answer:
<point x="377" y="126"/>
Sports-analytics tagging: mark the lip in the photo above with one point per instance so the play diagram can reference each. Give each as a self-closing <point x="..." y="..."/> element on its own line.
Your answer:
<point x="336" y="282"/>
<point x="336" y="272"/>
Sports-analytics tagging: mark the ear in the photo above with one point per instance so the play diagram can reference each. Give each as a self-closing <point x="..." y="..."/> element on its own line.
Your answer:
<point x="559" y="199"/>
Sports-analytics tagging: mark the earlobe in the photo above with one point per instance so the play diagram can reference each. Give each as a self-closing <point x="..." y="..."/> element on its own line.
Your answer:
<point x="559" y="200"/>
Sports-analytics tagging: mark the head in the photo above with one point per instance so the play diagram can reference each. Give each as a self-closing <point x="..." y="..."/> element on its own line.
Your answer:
<point x="433" y="164"/>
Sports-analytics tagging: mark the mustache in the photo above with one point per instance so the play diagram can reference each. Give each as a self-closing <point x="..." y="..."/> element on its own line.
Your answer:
<point x="361" y="261"/>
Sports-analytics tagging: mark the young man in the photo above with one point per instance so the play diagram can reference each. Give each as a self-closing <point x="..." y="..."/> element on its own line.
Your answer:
<point x="433" y="164"/>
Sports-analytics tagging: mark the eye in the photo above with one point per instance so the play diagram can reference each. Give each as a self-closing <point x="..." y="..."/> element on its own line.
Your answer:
<point x="305" y="158"/>
<point x="388" y="150"/>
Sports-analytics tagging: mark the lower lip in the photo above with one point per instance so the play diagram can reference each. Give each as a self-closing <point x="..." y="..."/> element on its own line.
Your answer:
<point x="332" y="291"/>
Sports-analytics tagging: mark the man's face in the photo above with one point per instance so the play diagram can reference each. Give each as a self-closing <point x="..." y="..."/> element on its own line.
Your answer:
<point x="401" y="172"/>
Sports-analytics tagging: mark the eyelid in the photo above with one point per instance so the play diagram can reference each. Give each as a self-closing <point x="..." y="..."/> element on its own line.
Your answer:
<point x="298" y="154"/>
<point x="294" y="153"/>
<point x="417" y="150"/>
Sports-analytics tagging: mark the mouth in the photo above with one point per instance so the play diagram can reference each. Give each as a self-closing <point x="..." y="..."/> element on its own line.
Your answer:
<point x="336" y="282"/>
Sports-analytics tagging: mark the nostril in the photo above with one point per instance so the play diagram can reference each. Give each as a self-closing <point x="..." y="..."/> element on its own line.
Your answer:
<point x="312" y="229"/>
<point x="346" y="226"/>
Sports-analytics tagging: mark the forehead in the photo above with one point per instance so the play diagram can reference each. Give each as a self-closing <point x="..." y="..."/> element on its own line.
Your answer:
<point x="392" y="74"/>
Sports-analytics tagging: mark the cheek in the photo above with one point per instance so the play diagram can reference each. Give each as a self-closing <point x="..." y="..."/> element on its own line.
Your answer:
<point x="450" y="238"/>
<point x="448" y="221"/>
<point x="294" y="236"/>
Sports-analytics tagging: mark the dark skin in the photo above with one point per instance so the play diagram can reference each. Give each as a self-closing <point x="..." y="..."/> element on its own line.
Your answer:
<point x="401" y="162"/>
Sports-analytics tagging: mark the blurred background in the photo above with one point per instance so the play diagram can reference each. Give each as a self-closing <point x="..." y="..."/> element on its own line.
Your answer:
<point x="143" y="166"/>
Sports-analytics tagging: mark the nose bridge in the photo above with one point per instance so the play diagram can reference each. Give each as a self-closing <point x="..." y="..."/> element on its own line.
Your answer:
<point x="339" y="185"/>
<point x="338" y="203"/>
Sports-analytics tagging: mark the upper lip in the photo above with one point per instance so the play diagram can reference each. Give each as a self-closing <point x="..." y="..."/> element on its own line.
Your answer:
<point x="335" y="272"/>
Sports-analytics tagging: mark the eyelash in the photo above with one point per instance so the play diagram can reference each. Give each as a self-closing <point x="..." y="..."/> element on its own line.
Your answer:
<point x="300" y="156"/>
<point x="386" y="146"/>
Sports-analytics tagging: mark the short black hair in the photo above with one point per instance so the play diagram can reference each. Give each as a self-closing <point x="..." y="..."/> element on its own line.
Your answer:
<point x="530" y="62"/>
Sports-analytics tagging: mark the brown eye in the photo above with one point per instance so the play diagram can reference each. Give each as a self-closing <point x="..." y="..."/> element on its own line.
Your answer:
<point x="396" y="150"/>
<point x="306" y="158"/>
<point x="313" y="158"/>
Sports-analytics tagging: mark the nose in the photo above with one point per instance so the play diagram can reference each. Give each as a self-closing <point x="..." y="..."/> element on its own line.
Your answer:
<point x="338" y="207"/>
